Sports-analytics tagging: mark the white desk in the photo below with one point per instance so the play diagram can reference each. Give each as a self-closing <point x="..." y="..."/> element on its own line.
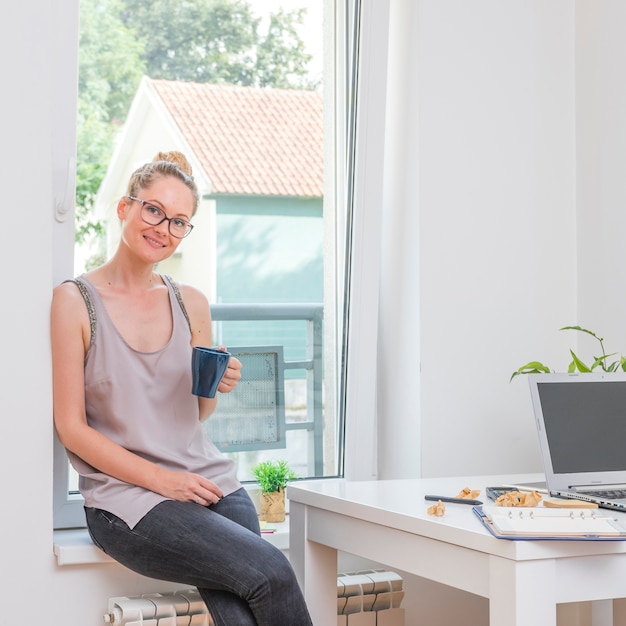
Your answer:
<point x="386" y="521"/>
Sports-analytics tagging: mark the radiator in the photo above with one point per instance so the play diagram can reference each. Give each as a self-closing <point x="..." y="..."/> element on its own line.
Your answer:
<point x="370" y="598"/>
<point x="181" y="608"/>
<point x="365" y="598"/>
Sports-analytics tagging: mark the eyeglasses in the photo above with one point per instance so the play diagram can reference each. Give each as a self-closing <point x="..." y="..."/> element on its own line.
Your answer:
<point x="154" y="216"/>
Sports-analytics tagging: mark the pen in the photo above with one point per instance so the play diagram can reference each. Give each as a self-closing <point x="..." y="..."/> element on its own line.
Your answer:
<point x="455" y="500"/>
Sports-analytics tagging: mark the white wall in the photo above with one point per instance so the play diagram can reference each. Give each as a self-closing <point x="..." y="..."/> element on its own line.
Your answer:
<point x="503" y="127"/>
<point x="601" y="164"/>
<point x="25" y="427"/>
<point x="480" y="228"/>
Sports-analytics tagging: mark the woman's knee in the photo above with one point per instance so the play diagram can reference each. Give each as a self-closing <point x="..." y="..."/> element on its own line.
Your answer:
<point x="279" y="572"/>
<point x="239" y="508"/>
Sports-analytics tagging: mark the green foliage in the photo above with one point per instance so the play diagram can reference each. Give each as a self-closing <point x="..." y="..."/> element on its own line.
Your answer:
<point x="110" y="69"/>
<point x="195" y="40"/>
<point x="110" y="60"/>
<point x="218" y="41"/>
<point x="603" y="362"/>
<point x="88" y="178"/>
<point x="281" y="56"/>
<point x="273" y="475"/>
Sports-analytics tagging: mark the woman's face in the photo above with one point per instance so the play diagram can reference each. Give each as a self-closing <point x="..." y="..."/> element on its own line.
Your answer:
<point x="155" y="242"/>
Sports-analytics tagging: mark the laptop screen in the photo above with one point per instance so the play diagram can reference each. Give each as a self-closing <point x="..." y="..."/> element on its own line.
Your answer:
<point x="585" y="424"/>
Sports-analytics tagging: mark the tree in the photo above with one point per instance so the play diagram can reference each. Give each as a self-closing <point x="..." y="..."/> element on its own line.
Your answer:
<point x="281" y="56"/>
<point x="110" y="69"/>
<point x="218" y="41"/>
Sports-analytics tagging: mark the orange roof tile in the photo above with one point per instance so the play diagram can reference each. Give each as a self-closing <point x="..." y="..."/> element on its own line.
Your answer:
<point x="251" y="140"/>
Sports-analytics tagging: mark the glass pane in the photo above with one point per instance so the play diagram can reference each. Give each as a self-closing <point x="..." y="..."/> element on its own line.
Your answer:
<point x="264" y="246"/>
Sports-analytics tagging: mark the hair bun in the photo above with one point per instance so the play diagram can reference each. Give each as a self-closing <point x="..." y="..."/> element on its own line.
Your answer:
<point x="174" y="156"/>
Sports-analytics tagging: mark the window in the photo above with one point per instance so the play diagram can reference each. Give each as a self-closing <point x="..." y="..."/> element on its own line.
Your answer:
<point x="271" y="260"/>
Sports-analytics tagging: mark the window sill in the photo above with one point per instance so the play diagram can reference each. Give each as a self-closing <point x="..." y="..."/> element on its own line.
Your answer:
<point x="75" y="547"/>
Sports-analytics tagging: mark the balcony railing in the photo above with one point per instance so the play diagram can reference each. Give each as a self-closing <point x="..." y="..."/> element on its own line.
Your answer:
<point x="312" y="364"/>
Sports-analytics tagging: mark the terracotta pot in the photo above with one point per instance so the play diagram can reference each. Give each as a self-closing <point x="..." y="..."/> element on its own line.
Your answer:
<point x="272" y="506"/>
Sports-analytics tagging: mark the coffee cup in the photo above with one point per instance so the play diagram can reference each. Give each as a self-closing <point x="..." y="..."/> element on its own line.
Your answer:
<point x="208" y="366"/>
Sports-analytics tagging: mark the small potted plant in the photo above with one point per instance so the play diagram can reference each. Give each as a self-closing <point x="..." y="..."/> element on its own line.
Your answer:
<point x="273" y="477"/>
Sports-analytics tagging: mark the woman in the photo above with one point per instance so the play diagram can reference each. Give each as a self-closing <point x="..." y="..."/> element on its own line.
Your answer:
<point x="159" y="497"/>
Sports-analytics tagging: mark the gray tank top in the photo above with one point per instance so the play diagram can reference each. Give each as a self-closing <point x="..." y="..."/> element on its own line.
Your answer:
<point x="143" y="401"/>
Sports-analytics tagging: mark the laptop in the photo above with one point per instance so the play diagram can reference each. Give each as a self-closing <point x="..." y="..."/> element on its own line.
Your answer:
<point x="581" y="422"/>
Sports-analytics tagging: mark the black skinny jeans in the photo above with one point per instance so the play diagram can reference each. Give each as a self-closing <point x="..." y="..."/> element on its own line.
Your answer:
<point x="243" y="579"/>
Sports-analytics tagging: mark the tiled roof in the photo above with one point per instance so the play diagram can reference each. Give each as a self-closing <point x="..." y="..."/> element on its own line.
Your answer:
<point x="250" y="140"/>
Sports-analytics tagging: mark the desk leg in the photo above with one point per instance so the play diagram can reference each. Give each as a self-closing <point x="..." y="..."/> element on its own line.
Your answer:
<point x="315" y="566"/>
<point x="602" y="613"/>
<point x="521" y="593"/>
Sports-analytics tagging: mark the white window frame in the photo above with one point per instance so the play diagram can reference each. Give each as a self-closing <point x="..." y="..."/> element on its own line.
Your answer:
<point x="67" y="509"/>
<point x="364" y="192"/>
<point x="366" y="196"/>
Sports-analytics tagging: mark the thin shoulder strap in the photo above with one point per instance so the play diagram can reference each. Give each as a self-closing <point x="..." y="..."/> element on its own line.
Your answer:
<point x="89" y="303"/>
<point x="179" y="297"/>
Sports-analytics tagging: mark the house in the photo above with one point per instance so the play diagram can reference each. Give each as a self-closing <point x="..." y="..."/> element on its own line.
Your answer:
<point x="490" y="194"/>
<point x="257" y="155"/>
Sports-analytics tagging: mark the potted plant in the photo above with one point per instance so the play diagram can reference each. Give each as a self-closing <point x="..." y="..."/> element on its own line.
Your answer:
<point x="273" y="477"/>
<point x="602" y="361"/>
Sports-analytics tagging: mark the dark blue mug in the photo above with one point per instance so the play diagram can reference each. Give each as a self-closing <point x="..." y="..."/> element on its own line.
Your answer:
<point x="208" y="366"/>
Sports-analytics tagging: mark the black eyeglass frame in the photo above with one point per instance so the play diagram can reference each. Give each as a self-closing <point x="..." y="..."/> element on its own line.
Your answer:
<point x="145" y="203"/>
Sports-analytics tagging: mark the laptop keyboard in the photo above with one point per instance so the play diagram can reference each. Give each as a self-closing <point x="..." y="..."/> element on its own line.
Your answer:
<point x="611" y="494"/>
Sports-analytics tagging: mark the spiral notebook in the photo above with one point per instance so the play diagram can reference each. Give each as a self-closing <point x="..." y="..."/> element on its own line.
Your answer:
<point x="544" y="523"/>
<point x="581" y="423"/>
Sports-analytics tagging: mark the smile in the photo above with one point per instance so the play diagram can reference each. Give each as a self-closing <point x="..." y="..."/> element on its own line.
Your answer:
<point x="154" y="242"/>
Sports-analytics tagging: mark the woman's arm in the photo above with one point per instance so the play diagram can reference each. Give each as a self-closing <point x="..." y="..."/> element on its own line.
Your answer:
<point x="201" y="335"/>
<point x="70" y="333"/>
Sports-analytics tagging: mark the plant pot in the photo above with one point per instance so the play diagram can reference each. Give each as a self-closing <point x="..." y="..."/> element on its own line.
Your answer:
<point x="272" y="506"/>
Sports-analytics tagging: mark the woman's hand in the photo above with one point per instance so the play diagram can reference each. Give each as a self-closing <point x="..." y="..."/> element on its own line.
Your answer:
<point x="189" y="487"/>
<point x="232" y="375"/>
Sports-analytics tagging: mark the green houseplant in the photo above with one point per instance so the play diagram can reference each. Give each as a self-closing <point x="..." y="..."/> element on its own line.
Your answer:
<point x="603" y="361"/>
<point x="273" y="477"/>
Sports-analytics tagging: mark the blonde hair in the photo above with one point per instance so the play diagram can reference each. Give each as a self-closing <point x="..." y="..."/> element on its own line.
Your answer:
<point x="164" y="164"/>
